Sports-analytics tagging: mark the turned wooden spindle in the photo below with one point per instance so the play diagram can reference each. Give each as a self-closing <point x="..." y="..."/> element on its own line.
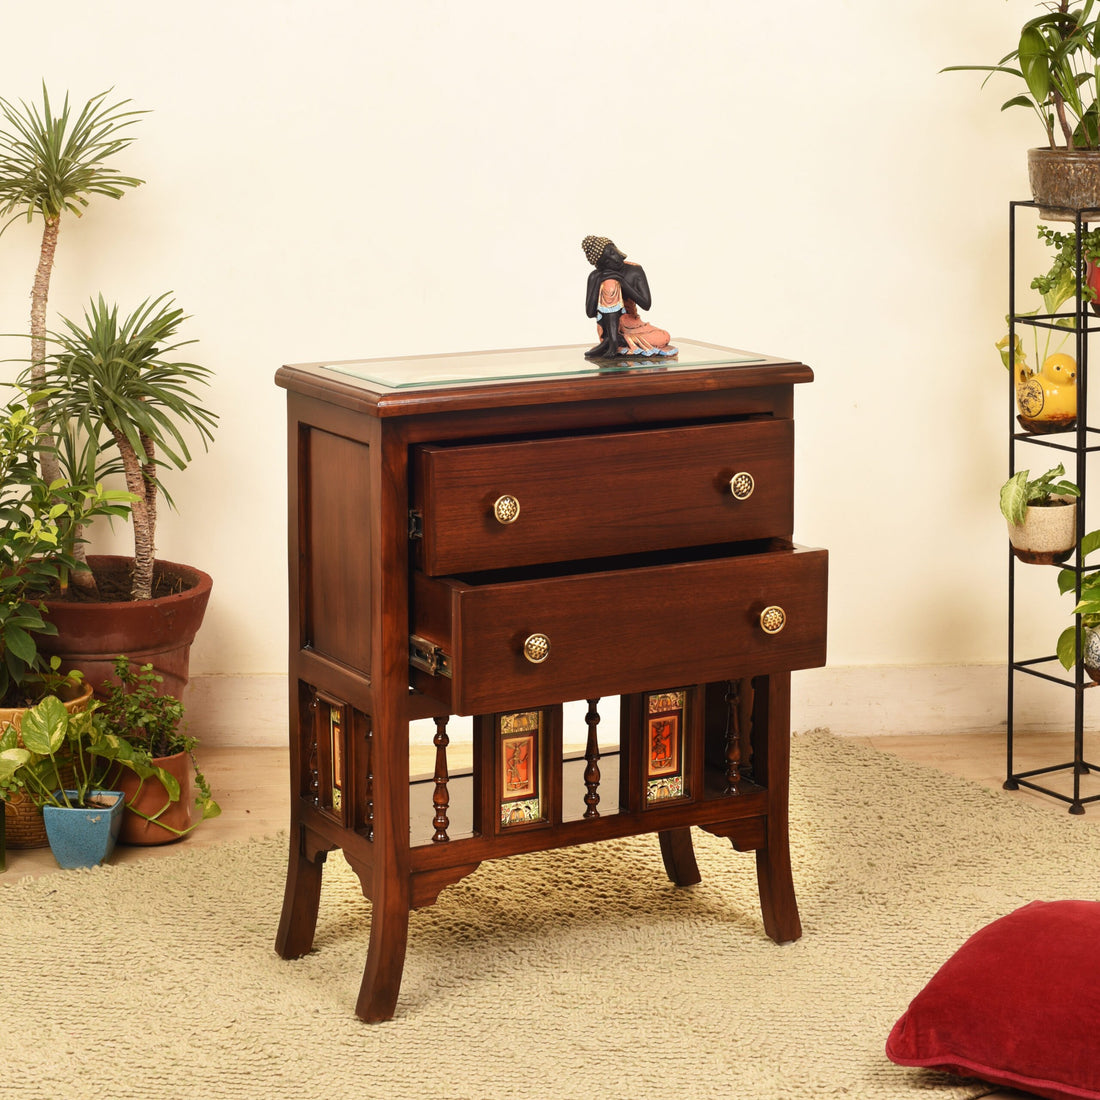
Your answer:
<point x="440" y="798"/>
<point x="369" y="792"/>
<point x="733" y="737"/>
<point x="592" y="755"/>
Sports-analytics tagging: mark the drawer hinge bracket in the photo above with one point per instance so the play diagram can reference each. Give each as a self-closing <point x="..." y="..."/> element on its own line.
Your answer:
<point x="416" y="524"/>
<point x="428" y="656"/>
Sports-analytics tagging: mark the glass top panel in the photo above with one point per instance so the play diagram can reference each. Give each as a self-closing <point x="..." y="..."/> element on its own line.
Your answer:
<point x="430" y="371"/>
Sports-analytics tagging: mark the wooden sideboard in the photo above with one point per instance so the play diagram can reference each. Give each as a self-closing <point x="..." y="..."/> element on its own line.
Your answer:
<point x="497" y="534"/>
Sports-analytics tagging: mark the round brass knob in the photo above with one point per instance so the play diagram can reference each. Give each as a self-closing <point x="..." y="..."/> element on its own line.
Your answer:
<point x="536" y="648"/>
<point x="773" y="619"/>
<point x="506" y="508"/>
<point x="742" y="485"/>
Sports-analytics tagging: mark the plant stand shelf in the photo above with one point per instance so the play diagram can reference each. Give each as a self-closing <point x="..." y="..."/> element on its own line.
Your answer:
<point x="1076" y="444"/>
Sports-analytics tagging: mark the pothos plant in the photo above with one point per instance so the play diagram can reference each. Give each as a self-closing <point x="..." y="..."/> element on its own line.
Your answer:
<point x="153" y="724"/>
<point x="1021" y="491"/>
<point x="1088" y="606"/>
<point x="1057" y="62"/>
<point x="1056" y="287"/>
<point x="62" y="759"/>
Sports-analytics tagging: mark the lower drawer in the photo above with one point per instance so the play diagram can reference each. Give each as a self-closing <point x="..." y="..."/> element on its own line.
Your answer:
<point x="504" y="644"/>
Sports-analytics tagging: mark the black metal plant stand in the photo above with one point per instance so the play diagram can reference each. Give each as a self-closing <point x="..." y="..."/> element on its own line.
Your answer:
<point x="1078" y="442"/>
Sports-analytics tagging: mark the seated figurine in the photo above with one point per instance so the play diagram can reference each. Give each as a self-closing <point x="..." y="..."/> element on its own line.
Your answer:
<point x="617" y="288"/>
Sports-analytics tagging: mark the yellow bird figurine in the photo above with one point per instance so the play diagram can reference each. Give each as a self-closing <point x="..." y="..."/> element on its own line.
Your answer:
<point x="1047" y="399"/>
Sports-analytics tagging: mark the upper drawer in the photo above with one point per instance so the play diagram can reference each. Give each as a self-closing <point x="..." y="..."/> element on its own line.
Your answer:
<point x="596" y="495"/>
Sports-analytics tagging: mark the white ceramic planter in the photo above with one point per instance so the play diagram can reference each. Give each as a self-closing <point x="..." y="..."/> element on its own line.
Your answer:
<point x="1048" y="533"/>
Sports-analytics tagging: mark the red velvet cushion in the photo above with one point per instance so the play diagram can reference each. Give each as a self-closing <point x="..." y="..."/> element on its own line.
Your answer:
<point x="1017" y="1005"/>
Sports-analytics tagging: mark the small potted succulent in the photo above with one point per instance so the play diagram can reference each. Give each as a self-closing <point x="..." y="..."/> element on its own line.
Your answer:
<point x="1041" y="514"/>
<point x="61" y="761"/>
<point x="136" y="709"/>
<point x="1055" y="65"/>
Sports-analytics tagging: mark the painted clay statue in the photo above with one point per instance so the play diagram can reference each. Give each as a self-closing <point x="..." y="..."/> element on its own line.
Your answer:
<point x="617" y="288"/>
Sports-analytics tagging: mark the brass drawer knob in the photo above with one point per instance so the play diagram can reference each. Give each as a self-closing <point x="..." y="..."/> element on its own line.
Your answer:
<point x="536" y="648"/>
<point x="506" y="508"/>
<point x="742" y="485"/>
<point x="773" y="619"/>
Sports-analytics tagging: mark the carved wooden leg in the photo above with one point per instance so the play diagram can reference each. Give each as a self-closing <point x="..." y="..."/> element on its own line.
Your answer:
<point x="679" y="856"/>
<point x="778" y="904"/>
<point x="301" y="898"/>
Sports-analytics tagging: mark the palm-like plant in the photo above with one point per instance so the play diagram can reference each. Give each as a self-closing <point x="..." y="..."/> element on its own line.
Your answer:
<point x="113" y="377"/>
<point x="49" y="164"/>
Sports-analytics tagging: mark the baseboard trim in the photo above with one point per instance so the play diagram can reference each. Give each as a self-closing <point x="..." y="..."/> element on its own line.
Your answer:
<point x="856" y="701"/>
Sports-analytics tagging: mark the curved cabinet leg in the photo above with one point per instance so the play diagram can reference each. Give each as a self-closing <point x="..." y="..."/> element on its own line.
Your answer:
<point x="389" y="934"/>
<point x="301" y="898"/>
<point x="679" y="856"/>
<point x="778" y="905"/>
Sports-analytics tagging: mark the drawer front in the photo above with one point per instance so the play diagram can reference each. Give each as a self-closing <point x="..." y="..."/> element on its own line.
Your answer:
<point x="601" y="495"/>
<point x="620" y="631"/>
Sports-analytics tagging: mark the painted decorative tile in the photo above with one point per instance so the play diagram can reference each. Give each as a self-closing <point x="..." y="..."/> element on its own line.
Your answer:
<point x="520" y="777"/>
<point x="664" y="746"/>
<point x="336" y="734"/>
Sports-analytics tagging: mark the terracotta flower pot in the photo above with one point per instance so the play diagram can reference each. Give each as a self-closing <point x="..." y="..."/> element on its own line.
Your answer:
<point x="158" y="631"/>
<point x="152" y="800"/>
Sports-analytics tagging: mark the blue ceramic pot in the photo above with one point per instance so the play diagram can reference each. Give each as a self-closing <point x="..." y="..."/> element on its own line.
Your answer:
<point x="84" y="837"/>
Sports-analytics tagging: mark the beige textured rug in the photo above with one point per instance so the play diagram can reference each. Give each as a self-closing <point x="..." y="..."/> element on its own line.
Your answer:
<point x="576" y="974"/>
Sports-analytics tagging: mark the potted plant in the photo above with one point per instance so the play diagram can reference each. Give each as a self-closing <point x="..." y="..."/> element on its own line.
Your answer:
<point x="151" y="721"/>
<point x="36" y="521"/>
<point x="1055" y="64"/>
<point x="1087" y="641"/>
<point x="119" y="380"/>
<point x="52" y="164"/>
<point x="1041" y="514"/>
<point x="60" y="761"/>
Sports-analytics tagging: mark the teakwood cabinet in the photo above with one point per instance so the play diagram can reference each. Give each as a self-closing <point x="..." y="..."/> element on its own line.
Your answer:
<point x="497" y="535"/>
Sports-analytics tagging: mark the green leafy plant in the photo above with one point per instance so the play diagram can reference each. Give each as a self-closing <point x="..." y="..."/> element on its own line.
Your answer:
<point x="152" y="722"/>
<point x="37" y="521"/>
<point x="1021" y="491"/>
<point x="118" y="379"/>
<point x="1087" y="606"/>
<point x="1056" y="287"/>
<point x="61" y="759"/>
<point x="52" y="164"/>
<point x="1056" y="62"/>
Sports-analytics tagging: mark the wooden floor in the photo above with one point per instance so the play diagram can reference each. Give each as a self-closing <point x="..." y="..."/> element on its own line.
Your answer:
<point x="251" y="784"/>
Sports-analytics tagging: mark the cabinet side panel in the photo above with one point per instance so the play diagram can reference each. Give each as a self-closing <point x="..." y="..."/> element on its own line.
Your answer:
<point x="336" y="548"/>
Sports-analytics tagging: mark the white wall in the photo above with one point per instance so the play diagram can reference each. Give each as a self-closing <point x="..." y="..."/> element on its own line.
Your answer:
<point x="352" y="178"/>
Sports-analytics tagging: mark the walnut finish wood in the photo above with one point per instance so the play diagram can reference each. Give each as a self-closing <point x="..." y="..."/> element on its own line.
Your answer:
<point x="620" y="630"/>
<point x="630" y="554"/>
<point x="655" y="490"/>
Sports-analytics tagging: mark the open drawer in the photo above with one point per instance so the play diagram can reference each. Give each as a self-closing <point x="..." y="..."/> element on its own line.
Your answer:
<point x="491" y="642"/>
<point x="498" y="505"/>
